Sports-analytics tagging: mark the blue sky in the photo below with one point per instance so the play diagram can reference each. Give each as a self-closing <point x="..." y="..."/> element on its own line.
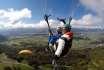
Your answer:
<point x="29" y="13"/>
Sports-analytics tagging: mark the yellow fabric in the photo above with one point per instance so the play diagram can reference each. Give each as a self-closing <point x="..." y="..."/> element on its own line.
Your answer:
<point x="26" y="51"/>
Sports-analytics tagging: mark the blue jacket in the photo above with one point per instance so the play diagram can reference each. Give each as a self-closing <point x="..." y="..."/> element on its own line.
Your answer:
<point x="52" y="39"/>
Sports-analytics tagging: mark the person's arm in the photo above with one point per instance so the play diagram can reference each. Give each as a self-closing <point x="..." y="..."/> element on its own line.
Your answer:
<point x="52" y="39"/>
<point x="49" y="38"/>
<point x="59" y="50"/>
<point x="60" y="47"/>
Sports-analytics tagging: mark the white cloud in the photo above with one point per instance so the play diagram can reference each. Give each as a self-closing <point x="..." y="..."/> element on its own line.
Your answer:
<point x="87" y="20"/>
<point x="90" y="20"/>
<point x="92" y="27"/>
<point x="41" y="24"/>
<point x="94" y="5"/>
<point x="13" y="15"/>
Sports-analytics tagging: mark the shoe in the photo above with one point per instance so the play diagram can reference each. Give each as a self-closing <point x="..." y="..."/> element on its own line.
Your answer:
<point x="53" y="62"/>
<point x="47" y="49"/>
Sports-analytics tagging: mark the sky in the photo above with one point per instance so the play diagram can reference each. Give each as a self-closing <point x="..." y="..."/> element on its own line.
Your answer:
<point x="30" y="13"/>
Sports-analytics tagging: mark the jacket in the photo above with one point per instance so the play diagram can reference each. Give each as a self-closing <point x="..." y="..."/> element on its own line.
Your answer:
<point x="53" y="39"/>
<point x="64" y="44"/>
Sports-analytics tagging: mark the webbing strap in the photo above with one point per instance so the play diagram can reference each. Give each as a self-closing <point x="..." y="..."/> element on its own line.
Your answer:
<point x="67" y="43"/>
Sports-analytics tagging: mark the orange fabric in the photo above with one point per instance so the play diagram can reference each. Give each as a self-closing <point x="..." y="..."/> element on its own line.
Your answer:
<point x="26" y="51"/>
<point x="70" y="34"/>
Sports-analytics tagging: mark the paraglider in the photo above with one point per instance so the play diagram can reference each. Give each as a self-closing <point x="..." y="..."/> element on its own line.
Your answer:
<point x="26" y="52"/>
<point x="72" y="6"/>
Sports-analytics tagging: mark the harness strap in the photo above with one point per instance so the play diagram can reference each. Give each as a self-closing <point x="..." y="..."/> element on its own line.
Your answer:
<point x="70" y="41"/>
<point x="67" y="43"/>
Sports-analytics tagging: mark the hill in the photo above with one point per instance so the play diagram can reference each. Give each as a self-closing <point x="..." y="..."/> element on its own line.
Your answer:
<point x="2" y="38"/>
<point x="15" y="31"/>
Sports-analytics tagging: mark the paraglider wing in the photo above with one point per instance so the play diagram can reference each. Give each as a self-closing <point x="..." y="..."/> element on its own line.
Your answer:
<point x="27" y="52"/>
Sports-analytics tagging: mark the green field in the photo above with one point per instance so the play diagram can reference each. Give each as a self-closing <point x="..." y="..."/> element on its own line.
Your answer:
<point x="11" y="64"/>
<point x="4" y="64"/>
<point x="39" y="42"/>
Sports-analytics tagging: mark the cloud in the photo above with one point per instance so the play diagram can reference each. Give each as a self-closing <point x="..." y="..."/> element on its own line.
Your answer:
<point x="41" y="24"/>
<point x="13" y="15"/>
<point x="94" y="5"/>
<point x="91" y="27"/>
<point x="87" y="20"/>
<point x="90" y="20"/>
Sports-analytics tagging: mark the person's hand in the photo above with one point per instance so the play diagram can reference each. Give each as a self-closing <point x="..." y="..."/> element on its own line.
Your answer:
<point x="49" y="34"/>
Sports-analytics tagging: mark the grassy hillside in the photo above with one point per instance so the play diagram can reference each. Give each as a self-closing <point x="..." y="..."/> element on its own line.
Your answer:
<point x="12" y="65"/>
<point x="7" y="62"/>
<point x="86" y="53"/>
<point x="32" y="40"/>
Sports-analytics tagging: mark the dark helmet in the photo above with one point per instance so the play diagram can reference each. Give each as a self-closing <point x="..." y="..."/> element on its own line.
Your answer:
<point x="67" y="26"/>
<point x="59" y="29"/>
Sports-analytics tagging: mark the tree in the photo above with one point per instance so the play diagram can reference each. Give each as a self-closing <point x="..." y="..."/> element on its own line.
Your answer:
<point x="7" y="68"/>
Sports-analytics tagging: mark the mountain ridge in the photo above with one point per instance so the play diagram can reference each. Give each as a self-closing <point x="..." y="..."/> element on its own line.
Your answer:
<point x="45" y="30"/>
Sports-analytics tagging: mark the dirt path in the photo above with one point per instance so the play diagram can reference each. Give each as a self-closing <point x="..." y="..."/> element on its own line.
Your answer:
<point x="5" y="58"/>
<point x="94" y="63"/>
<point x="9" y="60"/>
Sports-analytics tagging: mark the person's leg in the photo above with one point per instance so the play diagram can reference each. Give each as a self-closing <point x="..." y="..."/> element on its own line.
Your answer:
<point x="51" y="48"/>
<point x="47" y="48"/>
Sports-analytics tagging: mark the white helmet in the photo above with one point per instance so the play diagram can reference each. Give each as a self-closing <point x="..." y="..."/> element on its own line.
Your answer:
<point x="59" y="29"/>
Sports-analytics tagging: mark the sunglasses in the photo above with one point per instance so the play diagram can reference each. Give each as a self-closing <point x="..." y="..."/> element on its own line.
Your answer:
<point x="64" y="29"/>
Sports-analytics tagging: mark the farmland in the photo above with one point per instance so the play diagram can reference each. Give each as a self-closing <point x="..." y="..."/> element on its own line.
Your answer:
<point x="87" y="50"/>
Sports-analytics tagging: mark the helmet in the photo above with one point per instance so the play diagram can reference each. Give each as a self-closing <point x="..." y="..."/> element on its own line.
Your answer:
<point x="59" y="29"/>
<point x="67" y="26"/>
